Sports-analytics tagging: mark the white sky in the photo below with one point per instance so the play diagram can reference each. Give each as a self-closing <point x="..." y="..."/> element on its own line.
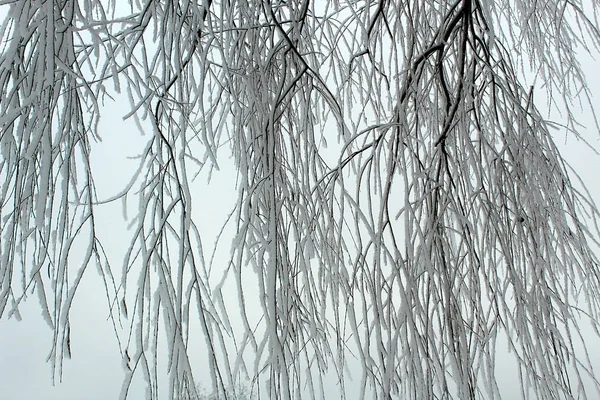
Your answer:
<point x="95" y="370"/>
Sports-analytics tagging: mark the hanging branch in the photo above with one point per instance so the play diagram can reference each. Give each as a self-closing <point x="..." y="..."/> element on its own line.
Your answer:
<point x="401" y="205"/>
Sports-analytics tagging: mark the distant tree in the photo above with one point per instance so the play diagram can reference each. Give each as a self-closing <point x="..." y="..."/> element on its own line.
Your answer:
<point x="241" y="393"/>
<point x="401" y="202"/>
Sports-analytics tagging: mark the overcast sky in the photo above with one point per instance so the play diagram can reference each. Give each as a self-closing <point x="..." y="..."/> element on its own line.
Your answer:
<point x="95" y="371"/>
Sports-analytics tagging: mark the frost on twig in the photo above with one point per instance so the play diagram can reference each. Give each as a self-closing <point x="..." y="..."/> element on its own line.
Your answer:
<point x="401" y="205"/>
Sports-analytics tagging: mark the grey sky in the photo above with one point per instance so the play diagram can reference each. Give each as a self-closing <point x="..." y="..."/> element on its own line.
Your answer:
<point x="95" y="371"/>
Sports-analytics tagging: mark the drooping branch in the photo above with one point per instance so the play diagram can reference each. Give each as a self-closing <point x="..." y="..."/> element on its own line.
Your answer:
<point x="401" y="204"/>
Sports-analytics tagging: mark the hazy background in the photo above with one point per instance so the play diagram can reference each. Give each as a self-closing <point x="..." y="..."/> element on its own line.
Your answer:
<point x="95" y="371"/>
